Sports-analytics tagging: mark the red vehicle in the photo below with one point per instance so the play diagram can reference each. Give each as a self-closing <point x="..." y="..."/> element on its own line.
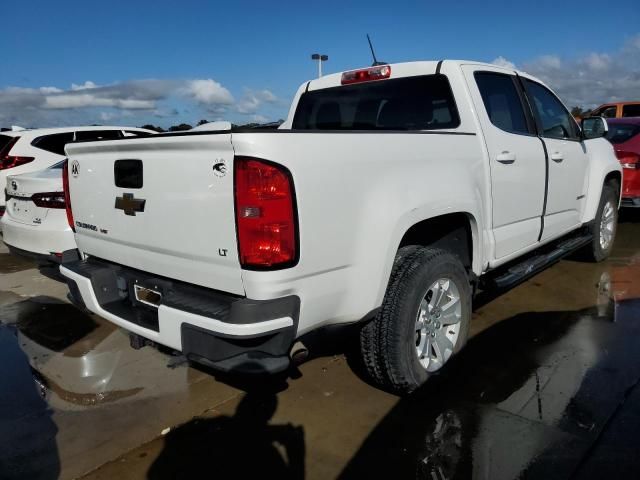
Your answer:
<point x="624" y="134"/>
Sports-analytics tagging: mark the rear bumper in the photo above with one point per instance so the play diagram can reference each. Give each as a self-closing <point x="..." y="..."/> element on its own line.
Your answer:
<point x="63" y="257"/>
<point x="42" y="239"/>
<point x="223" y="331"/>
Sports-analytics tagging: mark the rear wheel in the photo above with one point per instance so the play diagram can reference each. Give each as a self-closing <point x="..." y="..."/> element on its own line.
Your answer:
<point x="423" y="321"/>
<point x="604" y="225"/>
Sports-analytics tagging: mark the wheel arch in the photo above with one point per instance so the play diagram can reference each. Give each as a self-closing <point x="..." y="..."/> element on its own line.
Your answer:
<point x="456" y="232"/>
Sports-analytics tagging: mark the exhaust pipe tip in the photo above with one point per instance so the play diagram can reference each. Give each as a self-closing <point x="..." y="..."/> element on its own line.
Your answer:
<point x="299" y="353"/>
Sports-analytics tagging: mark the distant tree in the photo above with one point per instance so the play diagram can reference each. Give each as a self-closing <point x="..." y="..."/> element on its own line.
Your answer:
<point x="202" y="122"/>
<point x="153" y="127"/>
<point x="578" y="112"/>
<point x="181" y="127"/>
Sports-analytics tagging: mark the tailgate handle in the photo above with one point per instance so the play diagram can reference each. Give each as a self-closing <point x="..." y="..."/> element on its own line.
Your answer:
<point x="127" y="173"/>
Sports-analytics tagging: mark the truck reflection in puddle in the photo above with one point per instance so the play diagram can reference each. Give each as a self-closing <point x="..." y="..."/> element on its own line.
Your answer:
<point x="78" y="359"/>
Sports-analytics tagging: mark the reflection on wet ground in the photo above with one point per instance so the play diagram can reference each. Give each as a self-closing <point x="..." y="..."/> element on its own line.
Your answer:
<point x="530" y="396"/>
<point x="26" y="428"/>
<point x="546" y="388"/>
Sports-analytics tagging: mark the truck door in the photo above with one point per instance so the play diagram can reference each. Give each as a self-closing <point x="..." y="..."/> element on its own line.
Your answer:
<point x="568" y="160"/>
<point x="516" y="158"/>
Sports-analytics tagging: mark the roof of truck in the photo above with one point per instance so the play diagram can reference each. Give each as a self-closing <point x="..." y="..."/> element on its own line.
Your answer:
<point x="405" y="69"/>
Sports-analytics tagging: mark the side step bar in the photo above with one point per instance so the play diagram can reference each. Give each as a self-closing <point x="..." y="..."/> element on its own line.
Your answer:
<point x="514" y="274"/>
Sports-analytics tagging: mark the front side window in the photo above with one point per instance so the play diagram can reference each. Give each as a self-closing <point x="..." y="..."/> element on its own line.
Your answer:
<point x="53" y="143"/>
<point x="631" y="110"/>
<point x="606" y="112"/>
<point x="412" y="103"/>
<point x="554" y="121"/>
<point x="502" y="101"/>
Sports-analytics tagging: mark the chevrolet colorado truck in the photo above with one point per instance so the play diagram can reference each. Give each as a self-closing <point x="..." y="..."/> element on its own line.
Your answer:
<point x="387" y="199"/>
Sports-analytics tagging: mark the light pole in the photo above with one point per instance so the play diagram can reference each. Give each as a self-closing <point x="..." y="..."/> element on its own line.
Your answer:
<point x="320" y="59"/>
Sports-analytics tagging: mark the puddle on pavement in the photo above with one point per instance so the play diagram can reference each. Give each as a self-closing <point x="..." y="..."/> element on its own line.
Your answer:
<point x="527" y="397"/>
<point x="48" y="321"/>
<point x="45" y="327"/>
<point x="12" y="263"/>
<point x="27" y="433"/>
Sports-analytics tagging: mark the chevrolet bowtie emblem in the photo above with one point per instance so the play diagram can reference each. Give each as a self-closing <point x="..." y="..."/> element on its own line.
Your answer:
<point x="129" y="204"/>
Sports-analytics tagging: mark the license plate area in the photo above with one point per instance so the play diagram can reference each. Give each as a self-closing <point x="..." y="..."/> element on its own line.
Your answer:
<point x="147" y="296"/>
<point x="23" y="210"/>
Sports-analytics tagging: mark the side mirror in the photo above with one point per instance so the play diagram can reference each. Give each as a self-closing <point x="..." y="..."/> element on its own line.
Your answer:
<point x="594" y="127"/>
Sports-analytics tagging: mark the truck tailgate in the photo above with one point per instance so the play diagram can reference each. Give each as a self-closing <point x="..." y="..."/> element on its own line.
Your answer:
<point x="162" y="205"/>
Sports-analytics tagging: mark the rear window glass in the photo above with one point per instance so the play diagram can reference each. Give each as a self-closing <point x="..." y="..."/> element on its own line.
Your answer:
<point x="621" y="132"/>
<point x="134" y="133"/>
<point x="414" y="103"/>
<point x="53" y="143"/>
<point x="631" y="111"/>
<point x="90" y="135"/>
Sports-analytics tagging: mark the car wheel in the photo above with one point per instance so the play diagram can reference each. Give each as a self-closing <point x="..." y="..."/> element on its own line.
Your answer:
<point x="423" y="321"/>
<point x="604" y="226"/>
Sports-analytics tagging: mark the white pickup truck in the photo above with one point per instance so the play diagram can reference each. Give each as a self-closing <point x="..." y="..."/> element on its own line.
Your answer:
<point x="388" y="198"/>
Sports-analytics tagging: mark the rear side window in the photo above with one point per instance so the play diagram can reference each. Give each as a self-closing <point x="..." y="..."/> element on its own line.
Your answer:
<point x="631" y="111"/>
<point x="413" y="103"/>
<point x="621" y="132"/>
<point x="502" y="101"/>
<point x="91" y="135"/>
<point x="53" y="143"/>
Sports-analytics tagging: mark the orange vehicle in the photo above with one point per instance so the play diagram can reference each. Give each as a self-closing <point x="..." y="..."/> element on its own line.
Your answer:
<point x="617" y="110"/>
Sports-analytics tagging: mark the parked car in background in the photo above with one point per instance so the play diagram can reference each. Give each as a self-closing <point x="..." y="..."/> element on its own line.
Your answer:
<point x="23" y="151"/>
<point x="624" y="134"/>
<point x="34" y="223"/>
<point x="617" y="110"/>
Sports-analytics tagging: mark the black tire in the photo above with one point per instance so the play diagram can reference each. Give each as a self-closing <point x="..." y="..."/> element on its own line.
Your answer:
<point x="594" y="251"/>
<point x="388" y="342"/>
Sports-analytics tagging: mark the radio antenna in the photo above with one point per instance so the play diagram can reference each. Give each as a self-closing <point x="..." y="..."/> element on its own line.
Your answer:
<point x="373" y="54"/>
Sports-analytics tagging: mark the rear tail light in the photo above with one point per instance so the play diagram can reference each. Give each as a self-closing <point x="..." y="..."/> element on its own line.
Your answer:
<point x="49" y="200"/>
<point x="265" y="214"/>
<point x="366" y="75"/>
<point x="629" y="160"/>
<point x="10" y="161"/>
<point x="67" y="197"/>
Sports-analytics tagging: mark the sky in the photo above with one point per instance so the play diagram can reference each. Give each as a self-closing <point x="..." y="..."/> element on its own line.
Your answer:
<point x="131" y="62"/>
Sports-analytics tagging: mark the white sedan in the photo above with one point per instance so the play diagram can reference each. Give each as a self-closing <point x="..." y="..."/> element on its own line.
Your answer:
<point x="35" y="223"/>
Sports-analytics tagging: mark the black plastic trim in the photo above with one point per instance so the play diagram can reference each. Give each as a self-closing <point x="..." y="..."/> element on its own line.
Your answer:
<point x="546" y="187"/>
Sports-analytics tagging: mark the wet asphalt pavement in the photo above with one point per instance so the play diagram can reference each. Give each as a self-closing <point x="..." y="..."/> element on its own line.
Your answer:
<point x="547" y="387"/>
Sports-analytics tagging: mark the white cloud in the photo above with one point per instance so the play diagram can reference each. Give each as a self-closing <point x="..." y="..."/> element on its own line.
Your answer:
<point x="208" y="92"/>
<point x="84" y="86"/>
<point x="592" y="79"/>
<point x="252" y="100"/>
<point x="48" y="90"/>
<point x="503" y="62"/>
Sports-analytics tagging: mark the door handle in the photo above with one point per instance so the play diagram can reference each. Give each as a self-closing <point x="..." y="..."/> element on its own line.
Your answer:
<point x="506" y="157"/>
<point x="557" y="157"/>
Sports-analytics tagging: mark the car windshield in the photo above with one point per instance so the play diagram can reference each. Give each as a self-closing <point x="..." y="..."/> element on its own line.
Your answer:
<point x="621" y="132"/>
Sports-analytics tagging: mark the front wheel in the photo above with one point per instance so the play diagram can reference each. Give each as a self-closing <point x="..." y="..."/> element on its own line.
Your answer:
<point x="423" y="321"/>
